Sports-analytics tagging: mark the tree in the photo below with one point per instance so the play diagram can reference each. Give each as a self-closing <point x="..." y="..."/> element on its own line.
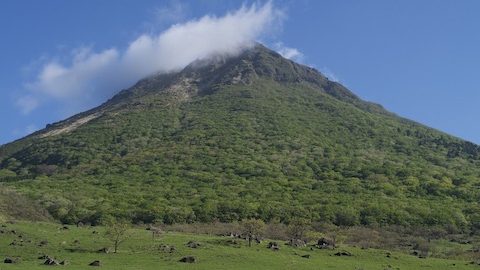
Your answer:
<point x="117" y="232"/>
<point x="156" y="231"/>
<point x="252" y="229"/>
<point x="298" y="228"/>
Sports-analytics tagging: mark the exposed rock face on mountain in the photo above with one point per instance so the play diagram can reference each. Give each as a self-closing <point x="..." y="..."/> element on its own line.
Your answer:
<point x="254" y="135"/>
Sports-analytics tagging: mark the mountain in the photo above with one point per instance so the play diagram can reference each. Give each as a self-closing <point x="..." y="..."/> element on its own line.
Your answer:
<point x="254" y="135"/>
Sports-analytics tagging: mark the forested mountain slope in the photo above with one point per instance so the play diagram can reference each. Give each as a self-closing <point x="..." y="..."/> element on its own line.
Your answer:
<point x="254" y="135"/>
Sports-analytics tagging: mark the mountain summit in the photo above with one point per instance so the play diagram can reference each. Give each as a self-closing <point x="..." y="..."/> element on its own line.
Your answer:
<point x="254" y="135"/>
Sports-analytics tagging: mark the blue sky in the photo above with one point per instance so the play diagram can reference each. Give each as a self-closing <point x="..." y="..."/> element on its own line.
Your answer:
<point x="419" y="59"/>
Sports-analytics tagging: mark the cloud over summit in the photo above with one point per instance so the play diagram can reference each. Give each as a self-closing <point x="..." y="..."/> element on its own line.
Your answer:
<point x="91" y="76"/>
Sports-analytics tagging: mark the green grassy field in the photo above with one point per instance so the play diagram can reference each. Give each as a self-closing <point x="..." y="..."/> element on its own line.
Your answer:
<point x="140" y="251"/>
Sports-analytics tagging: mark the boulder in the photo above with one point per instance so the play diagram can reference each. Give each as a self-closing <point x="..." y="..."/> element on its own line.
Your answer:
<point x="325" y="243"/>
<point x="188" y="259"/>
<point x="9" y="260"/>
<point x="167" y="249"/>
<point x="43" y="243"/>
<point x="51" y="261"/>
<point x="296" y="243"/>
<point x="343" y="253"/>
<point x="95" y="263"/>
<point x="104" y="250"/>
<point x="273" y="246"/>
<point x="193" y="244"/>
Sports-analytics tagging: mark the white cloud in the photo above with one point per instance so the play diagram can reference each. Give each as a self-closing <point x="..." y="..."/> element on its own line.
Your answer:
<point x="175" y="11"/>
<point x="27" y="103"/>
<point x="329" y="74"/>
<point x="92" y="76"/>
<point x="289" y="53"/>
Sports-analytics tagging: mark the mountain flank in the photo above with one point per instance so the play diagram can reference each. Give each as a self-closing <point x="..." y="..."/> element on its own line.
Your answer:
<point x="255" y="135"/>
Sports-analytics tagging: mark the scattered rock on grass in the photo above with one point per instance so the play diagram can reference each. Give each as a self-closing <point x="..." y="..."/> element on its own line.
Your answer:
<point x="104" y="250"/>
<point x="95" y="263"/>
<point x="193" y="244"/>
<point x="273" y="246"/>
<point x="343" y="253"/>
<point x="168" y="249"/>
<point x="188" y="259"/>
<point x="51" y="261"/>
<point x="9" y="260"/>
<point x="297" y="243"/>
<point x="43" y="243"/>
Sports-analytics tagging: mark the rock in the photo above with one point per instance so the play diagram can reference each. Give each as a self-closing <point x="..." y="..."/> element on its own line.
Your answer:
<point x="343" y="253"/>
<point x="104" y="250"/>
<point x="306" y="256"/>
<point x="65" y="228"/>
<point x="296" y="243"/>
<point x="76" y="242"/>
<point x="193" y="244"/>
<point x="168" y="249"/>
<point x="43" y="243"/>
<point x="273" y="246"/>
<point x="43" y="257"/>
<point x="64" y="262"/>
<point x="9" y="260"/>
<point x="188" y="259"/>
<point x="232" y="242"/>
<point x="51" y="261"/>
<point x="95" y="263"/>
<point x="325" y="243"/>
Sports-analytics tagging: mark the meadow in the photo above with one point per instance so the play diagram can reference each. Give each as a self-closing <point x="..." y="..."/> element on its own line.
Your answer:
<point x="79" y="246"/>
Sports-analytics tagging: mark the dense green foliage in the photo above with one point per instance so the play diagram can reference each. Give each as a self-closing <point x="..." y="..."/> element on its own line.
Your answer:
<point x="255" y="137"/>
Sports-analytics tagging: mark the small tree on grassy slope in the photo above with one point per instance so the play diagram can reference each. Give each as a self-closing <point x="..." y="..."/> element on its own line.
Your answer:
<point x="117" y="233"/>
<point x="252" y="228"/>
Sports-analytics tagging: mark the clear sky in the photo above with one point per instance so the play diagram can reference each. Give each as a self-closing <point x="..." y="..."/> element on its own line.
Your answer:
<point x="419" y="59"/>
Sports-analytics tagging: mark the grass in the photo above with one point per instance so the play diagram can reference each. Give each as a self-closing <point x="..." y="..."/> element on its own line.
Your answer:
<point x="140" y="251"/>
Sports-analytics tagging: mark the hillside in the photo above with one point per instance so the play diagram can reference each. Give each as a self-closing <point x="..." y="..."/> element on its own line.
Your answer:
<point x="254" y="135"/>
